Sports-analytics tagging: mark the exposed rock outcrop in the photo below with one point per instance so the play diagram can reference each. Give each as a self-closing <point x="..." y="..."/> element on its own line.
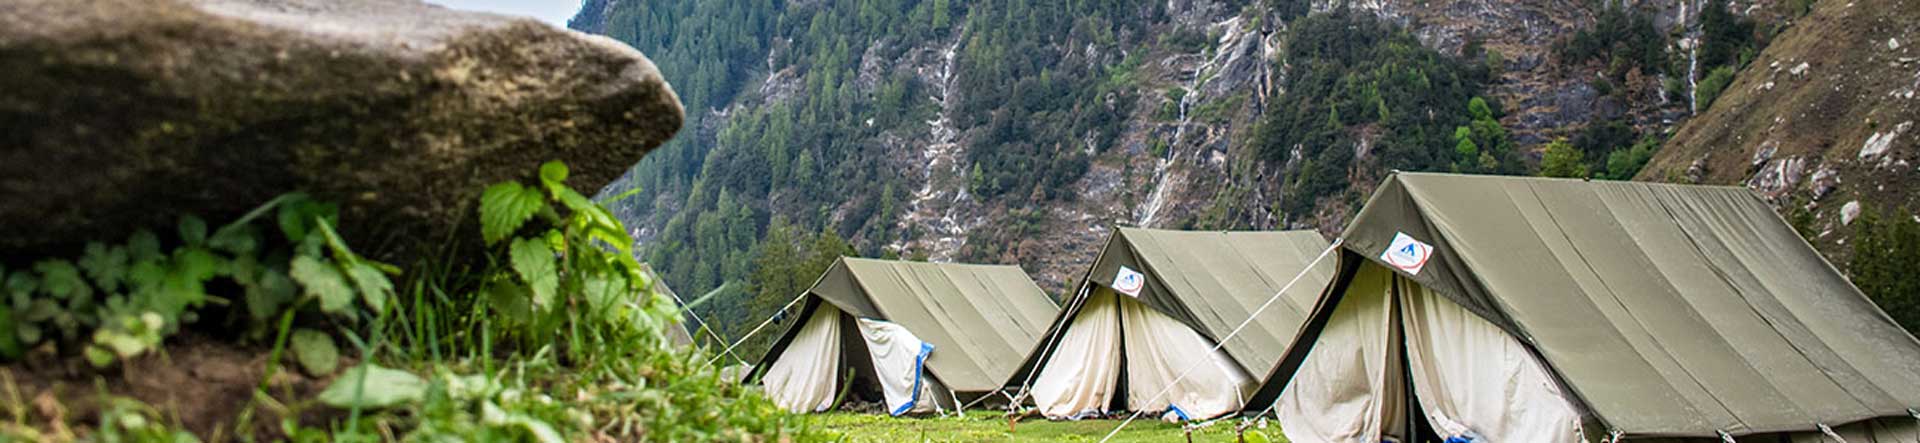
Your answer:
<point x="120" y="114"/>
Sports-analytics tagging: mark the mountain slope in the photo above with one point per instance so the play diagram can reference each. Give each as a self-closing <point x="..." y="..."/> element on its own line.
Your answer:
<point x="1021" y="131"/>
<point x="1821" y="121"/>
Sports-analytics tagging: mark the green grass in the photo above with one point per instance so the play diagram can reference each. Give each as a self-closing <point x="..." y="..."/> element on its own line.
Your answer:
<point x="991" y="426"/>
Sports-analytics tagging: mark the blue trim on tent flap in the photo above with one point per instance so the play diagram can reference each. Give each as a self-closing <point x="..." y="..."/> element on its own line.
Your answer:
<point x="919" y="366"/>
<point x="1178" y="413"/>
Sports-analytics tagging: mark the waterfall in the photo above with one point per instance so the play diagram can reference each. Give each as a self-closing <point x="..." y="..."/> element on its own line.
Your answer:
<point x="1146" y="215"/>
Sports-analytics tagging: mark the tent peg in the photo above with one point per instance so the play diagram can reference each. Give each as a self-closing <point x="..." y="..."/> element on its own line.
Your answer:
<point x="1725" y="437"/>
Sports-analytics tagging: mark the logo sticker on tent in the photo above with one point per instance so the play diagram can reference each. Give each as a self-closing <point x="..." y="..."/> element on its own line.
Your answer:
<point x="1129" y="282"/>
<point x="1407" y="254"/>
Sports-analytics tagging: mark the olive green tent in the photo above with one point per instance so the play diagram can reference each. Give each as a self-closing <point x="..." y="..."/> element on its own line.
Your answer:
<point x="1594" y="309"/>
<point x="1154" y="302"/>
<point x="978" y="319"/>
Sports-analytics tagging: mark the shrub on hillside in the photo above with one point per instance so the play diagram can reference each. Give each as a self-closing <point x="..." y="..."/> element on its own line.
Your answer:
<point x="1885" y="247"/>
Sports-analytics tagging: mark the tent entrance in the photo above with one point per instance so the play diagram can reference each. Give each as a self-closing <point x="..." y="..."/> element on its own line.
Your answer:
<point x="1397" y="361"/>
<point x="1118" y="354"/>
<point x="836" y="361"/>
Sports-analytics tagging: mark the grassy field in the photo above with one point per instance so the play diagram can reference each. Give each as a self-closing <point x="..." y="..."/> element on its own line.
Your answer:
<point x="990" y="426"/>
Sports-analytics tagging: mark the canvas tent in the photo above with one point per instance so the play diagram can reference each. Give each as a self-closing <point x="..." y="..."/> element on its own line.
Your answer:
<point x="1547" y="310"/>
<point x="1155" y="302"/>
<point x="918" y="336"/>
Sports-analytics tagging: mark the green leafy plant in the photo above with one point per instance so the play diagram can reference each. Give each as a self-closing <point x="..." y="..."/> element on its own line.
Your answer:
<point x="122" y="300"/>
<point x="556" y="334"/>
<point x="1562" y="160"/>
<point x="560" y="310"/>
<point x="571" y="269"/>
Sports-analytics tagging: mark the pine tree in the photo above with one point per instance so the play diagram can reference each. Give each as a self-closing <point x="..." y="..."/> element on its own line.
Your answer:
<point x="1884" y="250"/>
<point x="941" y="14"/>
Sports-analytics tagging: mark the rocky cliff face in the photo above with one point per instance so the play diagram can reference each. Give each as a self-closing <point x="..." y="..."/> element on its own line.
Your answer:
<point x="1168" y="167"/>
<point x="122" y="114"/>
<point x="1182" y="158"/>
<point x="1822" y="120"/>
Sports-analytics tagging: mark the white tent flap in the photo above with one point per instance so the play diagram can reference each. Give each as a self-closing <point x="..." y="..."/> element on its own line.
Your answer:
<point x="900" y="359"/>
<point x="1348" y="388"/>
<point x="1472" y="378"/>
<point x="1078" y="378"/>
<point x="1159" y="350"/>
<point x="802" y="379"/>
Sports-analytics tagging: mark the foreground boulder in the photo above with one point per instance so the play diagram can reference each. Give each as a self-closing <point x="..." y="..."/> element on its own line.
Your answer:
<point x="121" y="114"/>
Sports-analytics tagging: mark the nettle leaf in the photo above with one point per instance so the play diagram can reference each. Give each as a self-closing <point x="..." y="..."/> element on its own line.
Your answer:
<point x="370" y="386"/>
<point x="533" y="260"/>
<point x="193" y="230"/>
<point x="61" y="279"/>
<point x="315" y="351"/>
<point x="504" y="207"/>
<point x="604" y="290"/>
<point x="270" y="291"/>
<point x="511" y="300"/>
<point x="324" y="282"/>
<point x="107" y="266"/>
<point x="374" y="287"/>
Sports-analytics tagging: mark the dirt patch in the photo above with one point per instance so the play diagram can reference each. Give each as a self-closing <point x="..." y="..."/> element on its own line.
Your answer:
<point x="203" y="384"/>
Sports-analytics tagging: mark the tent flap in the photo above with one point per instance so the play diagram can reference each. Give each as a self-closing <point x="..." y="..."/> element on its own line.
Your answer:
<point x="1208" y="283"/>
<point x="1172" y="368"/>
<point x="802" y="379"/>
<point x="900" y="359"/>
<point x="1086" y="387"/>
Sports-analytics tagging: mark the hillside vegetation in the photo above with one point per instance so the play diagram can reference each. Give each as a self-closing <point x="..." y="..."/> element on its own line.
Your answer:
<point x="1820" y="124"/>
<point x="1021" y="132"/>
